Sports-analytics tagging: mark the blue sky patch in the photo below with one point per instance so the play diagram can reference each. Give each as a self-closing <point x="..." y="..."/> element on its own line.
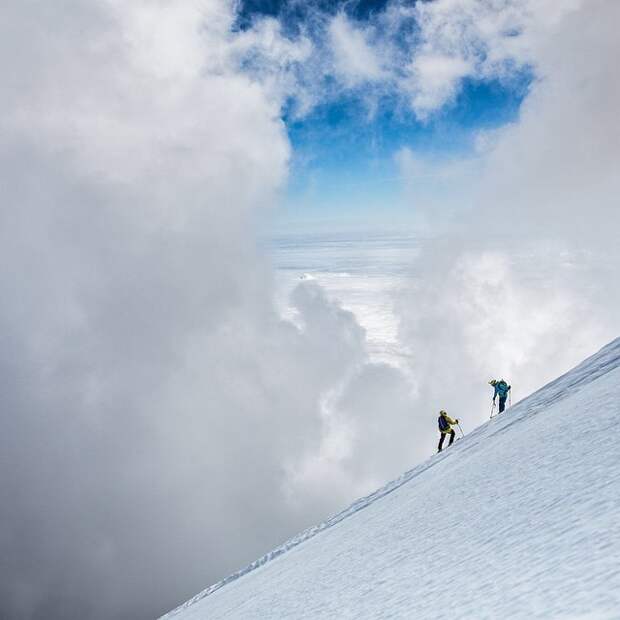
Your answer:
<point x="344" y="148"/>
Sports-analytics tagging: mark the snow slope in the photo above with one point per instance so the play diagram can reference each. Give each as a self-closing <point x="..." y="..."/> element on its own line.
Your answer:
<point x="521" y="519"/>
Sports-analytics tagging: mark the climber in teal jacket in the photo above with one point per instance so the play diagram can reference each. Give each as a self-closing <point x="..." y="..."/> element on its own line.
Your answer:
<point x="501" y="390"/>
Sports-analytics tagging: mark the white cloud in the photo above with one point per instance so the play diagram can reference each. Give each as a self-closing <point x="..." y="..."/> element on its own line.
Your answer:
<point x="153" y="399"/>
<point x="555" y="167"/>
<point x="424" y="52"/>
<point x="355" y="59"/>
<point x="551" y="171"/>
<point x="435" y="80"/>
<point x="156" y="409"/>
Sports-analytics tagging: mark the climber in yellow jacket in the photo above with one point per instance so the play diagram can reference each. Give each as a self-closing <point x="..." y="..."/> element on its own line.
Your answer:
<point x="445" y="422"/>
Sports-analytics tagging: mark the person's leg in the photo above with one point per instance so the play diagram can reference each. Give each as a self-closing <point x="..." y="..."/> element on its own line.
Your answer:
<point x="452" y="434"/>
<point x="443" y="436"/>
<point x="502" y="403"/>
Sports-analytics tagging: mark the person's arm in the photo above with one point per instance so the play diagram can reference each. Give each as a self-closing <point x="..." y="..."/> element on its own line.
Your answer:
<point x="451" y="421"/>
<point x="495" y="393"/>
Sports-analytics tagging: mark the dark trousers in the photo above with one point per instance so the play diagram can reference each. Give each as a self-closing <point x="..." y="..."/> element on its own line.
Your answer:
<point x="502" y="403"/>
<point x="443" y="436"/>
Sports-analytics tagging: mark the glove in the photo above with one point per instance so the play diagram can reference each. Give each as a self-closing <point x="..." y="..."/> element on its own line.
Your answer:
<point x="494" y="400"/>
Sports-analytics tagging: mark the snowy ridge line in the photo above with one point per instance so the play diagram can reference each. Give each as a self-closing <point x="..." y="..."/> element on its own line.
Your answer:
<point x="599" y="364"/>
<point x="595" y="366"/>
<point x="604" y="361"/>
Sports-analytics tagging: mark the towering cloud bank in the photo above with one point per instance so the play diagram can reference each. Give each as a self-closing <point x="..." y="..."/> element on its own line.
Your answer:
<point x="152" y="400"/>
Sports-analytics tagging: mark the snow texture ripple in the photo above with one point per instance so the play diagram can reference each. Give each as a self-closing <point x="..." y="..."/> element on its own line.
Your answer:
<point x="520" y="519"/>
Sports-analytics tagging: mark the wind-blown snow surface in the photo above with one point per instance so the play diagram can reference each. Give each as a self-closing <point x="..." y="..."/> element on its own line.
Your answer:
<point x="520" y="519"/>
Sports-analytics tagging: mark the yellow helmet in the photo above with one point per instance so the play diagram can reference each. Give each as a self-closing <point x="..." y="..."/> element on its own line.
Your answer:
<point x="493" y="382"/>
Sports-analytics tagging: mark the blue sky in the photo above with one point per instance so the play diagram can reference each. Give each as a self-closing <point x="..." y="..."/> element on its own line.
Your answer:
<point x="343" y="163"/>
<point x="295" y="12"/>
<point x="343" y="159"/>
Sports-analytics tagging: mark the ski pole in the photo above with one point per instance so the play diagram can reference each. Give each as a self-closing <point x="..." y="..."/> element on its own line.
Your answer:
<point x="462" y="433"/>
<point x="492" y="409"/>
<point x="509" y="398"/>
